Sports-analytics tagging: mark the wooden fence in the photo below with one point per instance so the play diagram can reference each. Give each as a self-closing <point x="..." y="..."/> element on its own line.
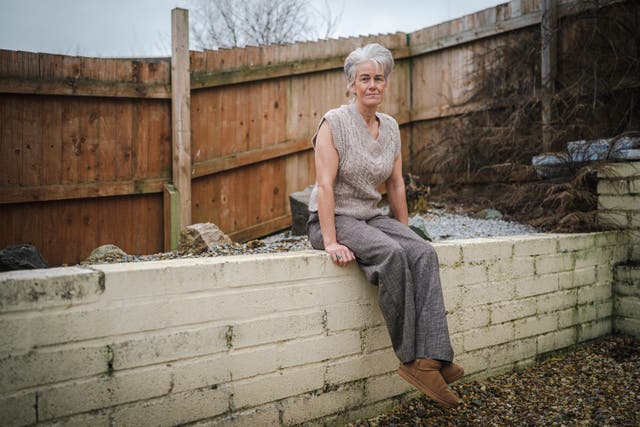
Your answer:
<point x="86" y="144"/>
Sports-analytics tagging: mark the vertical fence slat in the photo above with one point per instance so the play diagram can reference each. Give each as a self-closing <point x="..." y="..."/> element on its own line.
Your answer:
<point x="180" y="111"/>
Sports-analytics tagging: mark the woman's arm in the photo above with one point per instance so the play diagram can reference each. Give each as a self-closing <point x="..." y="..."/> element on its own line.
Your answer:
<point x="396" y="192"/>
<point x="326" y="160"/>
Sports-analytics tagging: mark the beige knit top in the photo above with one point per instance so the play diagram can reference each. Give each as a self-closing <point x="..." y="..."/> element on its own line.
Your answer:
<point x="364" y="162"/>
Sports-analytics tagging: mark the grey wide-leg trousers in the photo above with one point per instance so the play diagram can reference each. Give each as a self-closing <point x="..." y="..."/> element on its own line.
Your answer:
<point x="405" y="269"/>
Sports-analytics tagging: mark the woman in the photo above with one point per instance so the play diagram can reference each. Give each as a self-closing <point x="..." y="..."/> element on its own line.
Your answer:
<point x="357" y="148"/>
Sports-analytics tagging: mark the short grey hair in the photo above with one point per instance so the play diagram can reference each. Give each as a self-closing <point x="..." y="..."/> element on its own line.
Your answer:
<point x="371" y="52"/>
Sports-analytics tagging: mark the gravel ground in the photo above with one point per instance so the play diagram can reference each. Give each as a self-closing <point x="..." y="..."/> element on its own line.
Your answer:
<point x="597" y="384"/>
<point x="439" y="224"/>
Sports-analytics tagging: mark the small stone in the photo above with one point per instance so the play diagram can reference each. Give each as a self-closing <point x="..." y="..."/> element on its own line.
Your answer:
<point x="21" y="257"/>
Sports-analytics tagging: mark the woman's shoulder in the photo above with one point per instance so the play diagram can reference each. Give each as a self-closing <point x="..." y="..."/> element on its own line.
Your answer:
<point x="337" y="113"/>
<point x="388" y="119"/>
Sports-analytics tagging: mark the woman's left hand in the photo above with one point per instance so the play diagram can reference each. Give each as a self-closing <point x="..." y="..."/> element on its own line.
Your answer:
<point x="340" y="254"/>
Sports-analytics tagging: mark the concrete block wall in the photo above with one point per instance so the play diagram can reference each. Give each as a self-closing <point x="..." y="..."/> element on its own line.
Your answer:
<point x="280" y="339"/>
<point x="619" y="205"/>
<point x="627" y="299"/>
<point x="619" y="200"/>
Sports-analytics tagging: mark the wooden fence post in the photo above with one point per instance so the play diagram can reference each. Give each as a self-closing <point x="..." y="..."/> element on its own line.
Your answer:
<point x="548" y="66"/>
<point x="180" y="113"/>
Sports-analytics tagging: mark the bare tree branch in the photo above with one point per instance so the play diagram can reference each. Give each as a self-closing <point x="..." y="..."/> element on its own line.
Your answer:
<point x="229" y="23"/>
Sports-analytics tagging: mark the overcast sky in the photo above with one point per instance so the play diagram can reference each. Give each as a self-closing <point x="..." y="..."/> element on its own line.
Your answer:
<point x="141" y="28"/>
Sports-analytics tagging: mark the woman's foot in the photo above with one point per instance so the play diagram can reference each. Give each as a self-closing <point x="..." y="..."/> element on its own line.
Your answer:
<point x="425" y="375"/>
<point x="451" y="372"/>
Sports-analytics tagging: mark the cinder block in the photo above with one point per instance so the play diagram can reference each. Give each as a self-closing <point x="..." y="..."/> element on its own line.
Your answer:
<point x="468" y="318"/>
<point x="37" y="289"/>
<point x="488" y="336"/>
<point x="556" y="340"/>
<point x="613" y="219"/>
<point x="357" y="367"/>
<point x="211" y="371"/>
<point x="597" y="292"/>
<point x="376" y="338"/>
<point x="538" y="285"/>
<point x="277" y="327"/>
<point x="319" y="348"/>
<point x="604" y="273"/>
<point x="584" y="276"/>
<point x="634" y="185"/>
<point x="634" y="219"/>
<point x="635" y="252"/>
<point x="627" y="326"/>
<point x="359" y="315"/>
<point x="452" y="297"/>
<point x="485" y="249"/>
<point x="574" y="316"/>
<point x="554" y="263"/>
<point x="595" y="329"/>
<point x="386" y="386"/>
<point x="473" y="361"/>
<point x="299" y="409"/>
<point x="538" y="244"/>
<point x="557" y="301"/>
<point x="575" y="242"/>
<point x="523" y="267"/>
<point x="628" y="307"/>
<point x="99" y="418"/>
<point x="619" y="170"/>
<point x="593" y="257"/>
<point x="101" y="392"/>
<point x="604" y="309"/>
<point x="463" y="274"/>
<point x="621" y="289"/>
<point x="535" y="325"/>
<point x="278" y="385"/>
<point x="623" y="202"/>
<point x="448" y="253"/>
<point x="628" y="273"/>
<point x="511" y="352"/>
<point x="263" y="416"/>
<point x="510" y="310"/>
<point x="613" y="187"/>
<point x="619" y="254"/>
<point x="610" y="238"/>
<point x="457" y="342"/>
<point x="53" y="364"/>
<point x="487" y="293"/>
<point x="162" y="346"/>
<point x="174" y="408"/>
<point x="18" y="409"/>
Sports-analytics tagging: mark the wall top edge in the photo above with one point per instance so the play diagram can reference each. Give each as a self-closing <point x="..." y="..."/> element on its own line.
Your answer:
<point x="304" y="256"/>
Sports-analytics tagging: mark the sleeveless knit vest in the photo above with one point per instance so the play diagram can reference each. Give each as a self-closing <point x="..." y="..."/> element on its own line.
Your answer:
<point x="364" y="162"/>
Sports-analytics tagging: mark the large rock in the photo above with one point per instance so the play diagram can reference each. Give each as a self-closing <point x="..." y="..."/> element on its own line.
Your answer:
<point x="21" y="257"/>
<point x="199" y="238"/>
<point x="299" y="202"/>
<point x="105" y="253"/>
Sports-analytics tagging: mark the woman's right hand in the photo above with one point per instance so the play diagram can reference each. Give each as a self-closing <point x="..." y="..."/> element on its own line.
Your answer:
<point x="340" y="254"/>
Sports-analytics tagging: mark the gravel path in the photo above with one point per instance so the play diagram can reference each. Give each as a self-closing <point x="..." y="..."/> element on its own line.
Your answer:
<point x="598" y="384"/>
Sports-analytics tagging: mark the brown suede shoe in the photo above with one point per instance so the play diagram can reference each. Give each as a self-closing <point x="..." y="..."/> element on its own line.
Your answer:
<point x="451" y="372"/>
<point x="424" y="374"/>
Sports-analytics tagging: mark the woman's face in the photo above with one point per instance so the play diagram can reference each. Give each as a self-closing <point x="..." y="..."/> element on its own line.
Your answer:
<point x="369" y="84"/>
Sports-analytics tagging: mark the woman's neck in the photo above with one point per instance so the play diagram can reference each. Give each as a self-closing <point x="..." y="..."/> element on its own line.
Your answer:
<point x="368" y="114"/>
